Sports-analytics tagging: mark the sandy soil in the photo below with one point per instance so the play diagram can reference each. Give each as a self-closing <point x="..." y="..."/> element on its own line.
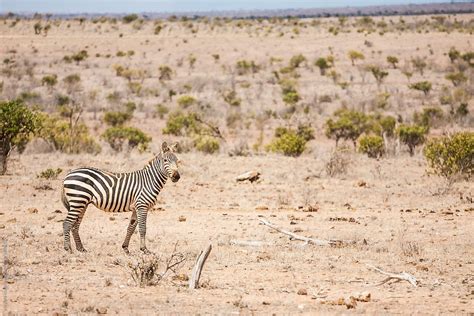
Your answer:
<point x="395" y="213"/>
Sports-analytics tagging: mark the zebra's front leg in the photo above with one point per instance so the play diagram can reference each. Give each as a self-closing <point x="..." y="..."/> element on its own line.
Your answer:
<point x="142" y="213"/>
<point x="130" y="230"/>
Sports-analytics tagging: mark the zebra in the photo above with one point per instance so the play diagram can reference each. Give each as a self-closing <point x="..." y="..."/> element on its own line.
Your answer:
<point x="117" y="192"/>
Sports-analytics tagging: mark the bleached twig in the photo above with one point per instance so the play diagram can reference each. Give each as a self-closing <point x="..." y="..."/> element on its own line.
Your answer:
<point x="196" y="274"/>
<point x="404" y="276"/>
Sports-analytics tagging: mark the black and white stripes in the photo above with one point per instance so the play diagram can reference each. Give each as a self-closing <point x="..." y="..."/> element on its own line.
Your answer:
<point x="116" y="192"/>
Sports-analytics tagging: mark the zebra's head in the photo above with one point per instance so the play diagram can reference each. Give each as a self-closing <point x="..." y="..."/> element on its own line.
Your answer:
<point x="170" y="161"/>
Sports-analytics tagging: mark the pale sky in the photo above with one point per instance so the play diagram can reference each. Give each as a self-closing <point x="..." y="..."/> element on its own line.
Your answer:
<point x="127" y="6"/>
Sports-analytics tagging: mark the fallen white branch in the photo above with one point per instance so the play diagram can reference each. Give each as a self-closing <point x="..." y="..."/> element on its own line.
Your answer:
<point x="250" y="175"/>
<point x="404" y="276"/>
<point x="196" y="274"/>
<point x="307" y="240"/>
<point x="249" y="243"/>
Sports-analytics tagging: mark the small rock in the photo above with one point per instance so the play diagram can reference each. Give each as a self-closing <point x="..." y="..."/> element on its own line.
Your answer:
<point x="12" y="220"/>
<point x="265" y="303"/>
<point x="262" y="208"/>
<point x="51" y="217"/>
<point x="101" y="310"/>
<point x="302" y="292"/>
<point x="2" y="226"/>
<point x="33" y="210"/>
<point x="182" y="218"/>
<point x="362" y="183"/>
<point x="111" y="218"/>
<point x="57" y="211"/>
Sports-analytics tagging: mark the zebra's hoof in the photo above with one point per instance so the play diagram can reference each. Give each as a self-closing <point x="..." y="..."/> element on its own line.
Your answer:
<point x="81" y="250"/>
<point x="126" y="250"/>
<point x="145" y="251"/>
<point x="68" y="249"/>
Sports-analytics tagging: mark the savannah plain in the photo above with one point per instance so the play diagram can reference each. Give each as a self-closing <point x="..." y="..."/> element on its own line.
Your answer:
<point x="397" y="215"/>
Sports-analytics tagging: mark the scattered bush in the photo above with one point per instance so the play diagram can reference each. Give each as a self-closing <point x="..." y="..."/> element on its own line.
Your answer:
<point x="231" y="98"/>
<point x="287" y="142"/>
<point x="378" y="73"/>
<point x="80" y="56"/>
<point x="456" y="78"/>
<point x="49" y="80"/>
<point x="355" y="55"/>
<point x="17" y="125"/>
<point x="161" y="110"/>
<point x="49" y="174"/>
<point x="323" y="64"/>
<point x="134" y="137"/>
<point x="338" y="162"/>
<point x="372" y="145"/>
<point x="297" y="60"/>
<point x="116" y="118"/>
<point x="429" y="117"/>
<point x="165" y="73"/>
<point x="129" y="18"/>
<point x="454" y="54"/>
<point x="451" y="156"/>
<point x="207" y="144"/>
<point x="186" y="101"/>
<point x="349" y="125"/>
<point x="412" y="136"/>
<point x="180" y="124"/>
<point x="392" y="60"/>
<point x="247" y="67"/>
<point x="424" y="86"/>
<point x="419" y="64"/>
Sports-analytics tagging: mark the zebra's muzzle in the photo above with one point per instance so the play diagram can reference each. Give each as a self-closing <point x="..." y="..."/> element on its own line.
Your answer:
<point x="175" y="177"/>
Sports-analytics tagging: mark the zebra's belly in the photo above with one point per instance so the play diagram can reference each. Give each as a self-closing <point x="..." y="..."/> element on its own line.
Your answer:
<point x="115" y="208"/>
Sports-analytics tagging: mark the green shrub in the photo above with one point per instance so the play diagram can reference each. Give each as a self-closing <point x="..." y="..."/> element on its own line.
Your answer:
<point x="113" y="118"/>
<point x="419" y="63"/>
<point x="355" y="55"/>
<point x="412" y="136"/>
<point x="349" y="125"/>
<point x="67" y="138"/>
<point x="49" y="174"/>
<point x="288" y="143"/>
<point x="231" y="98"/>
<point x="291" y="97"/>
<point x="17" y="125"/>
<point x="424" y="86"/>
<point x="297" y="60"/>
<point x="80" y="56"/>
<point x="372" y="145"/>
<point x="49" y="80"/>
<point x="165" y="73"/>
<point x="118" y="136"/>
<point x="456" y="78"/>
<point x="129" y="18"/>
<point x="161" y="110"/>
<point x="449" y="156"/>
<point x="378" y="73"/>
<point x="207" y="144"/>
<point x="72" y="79"/>
<point x="392" y="60"/>
<point x="322" y="64"/>
<point x="180" y="124"/>
<point x="247" y="67"/>
<point x="429" y="117"/>
<point x="387" y="123"/>
<point x="186" y="101"/>
<point x="454" y="54"/>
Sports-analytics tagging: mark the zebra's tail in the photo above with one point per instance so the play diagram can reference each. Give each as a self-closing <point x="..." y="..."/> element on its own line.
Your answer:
<point x="64" y="200"/>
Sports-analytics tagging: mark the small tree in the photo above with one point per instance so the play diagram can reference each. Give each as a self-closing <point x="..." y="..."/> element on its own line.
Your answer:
<point x="424" y="86"/>
<point x="378" y="73"/>
<point x="355" y="55"/>
<point x="134" y="137"/>
<point x="80" y="56"/>
<point x="452" y="155"/>
<point x="49" y="80"/>
<point x="412" y="136"/>
<point x="17" y="124"/>
<point x="297" y="60"/>
<point x="349" y="125"/>
<point x="288" y="142"/>
<point x="165" y="73"/>
<point x="457" y="78"/>
<point x="419" y="64"/>
<point x="37" y="27"/>
<point x="392" y="60"/>
<point x="186" y="101"/>
<point x="322" y="64"/>
<point x="453" y="54"/>
<point x="372" y="145"/>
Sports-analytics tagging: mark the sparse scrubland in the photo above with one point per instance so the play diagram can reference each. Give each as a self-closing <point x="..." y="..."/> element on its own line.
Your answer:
<point x="362" y="129"/>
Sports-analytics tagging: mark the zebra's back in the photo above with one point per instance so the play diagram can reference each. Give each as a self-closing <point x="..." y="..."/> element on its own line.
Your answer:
<point x="112" y="192"/>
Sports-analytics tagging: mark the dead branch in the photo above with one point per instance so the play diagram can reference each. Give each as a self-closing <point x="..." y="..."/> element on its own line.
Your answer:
<point x="196" y="274"/>
<point x="404" y="276"/>
<point x="214" y="129"/>
<point x="249" y="243"/>
<point x="307" y="240"/>
<point x="250" y="175"/>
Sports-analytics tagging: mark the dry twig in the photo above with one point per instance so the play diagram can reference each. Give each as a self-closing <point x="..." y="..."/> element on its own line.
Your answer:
<point x="307" y="240"/>
<point x="196" y="274"/>
<point x="404" y="276"/>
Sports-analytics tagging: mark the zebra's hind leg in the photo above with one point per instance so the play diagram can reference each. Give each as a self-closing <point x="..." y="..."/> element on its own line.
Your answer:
<point x="130" y="230"/>
<point x="71" y="218"/>
<point x="75" y="232"/>
<point x="142" y="214"/>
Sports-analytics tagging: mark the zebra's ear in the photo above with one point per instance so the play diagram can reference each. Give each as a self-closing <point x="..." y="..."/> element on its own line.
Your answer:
<point x="174" y="147"/>
<point x="164" y="147"/>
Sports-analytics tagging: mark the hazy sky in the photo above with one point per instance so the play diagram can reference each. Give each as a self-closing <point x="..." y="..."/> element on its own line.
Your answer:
<point x="121" y="6"/>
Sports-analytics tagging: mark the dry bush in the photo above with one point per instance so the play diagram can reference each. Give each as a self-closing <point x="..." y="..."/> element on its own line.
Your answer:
<point x="144" y="269"/>
<point x="338" y="162"/>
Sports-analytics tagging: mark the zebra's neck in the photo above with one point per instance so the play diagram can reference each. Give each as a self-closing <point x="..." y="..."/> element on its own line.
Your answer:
<point x="156" y="174"/>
